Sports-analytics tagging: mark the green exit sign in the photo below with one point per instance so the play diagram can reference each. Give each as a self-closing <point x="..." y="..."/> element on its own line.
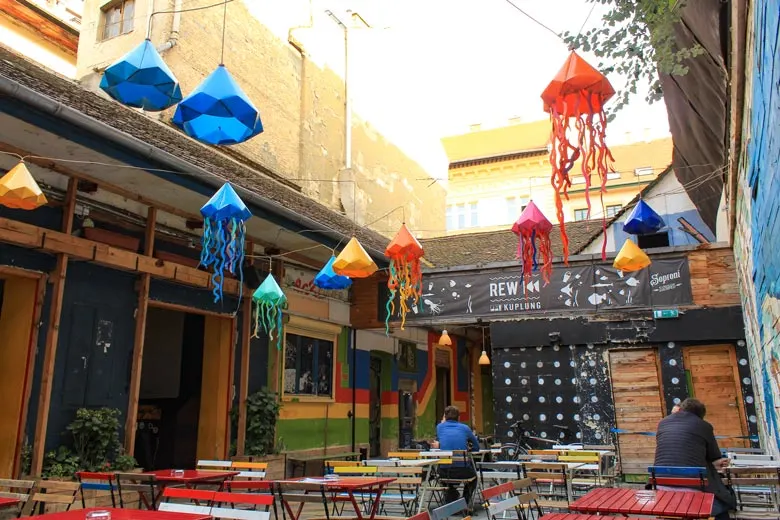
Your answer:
<point x="663" y="314"/>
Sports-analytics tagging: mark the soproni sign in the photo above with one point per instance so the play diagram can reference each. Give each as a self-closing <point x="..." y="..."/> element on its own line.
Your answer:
<point x="666" y="283"/>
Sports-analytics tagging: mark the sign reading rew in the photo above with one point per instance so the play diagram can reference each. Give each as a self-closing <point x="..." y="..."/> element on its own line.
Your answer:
<point x="587" y="288"/>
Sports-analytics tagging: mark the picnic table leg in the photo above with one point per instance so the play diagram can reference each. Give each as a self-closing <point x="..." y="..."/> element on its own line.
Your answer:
<point x="375" y="505"/>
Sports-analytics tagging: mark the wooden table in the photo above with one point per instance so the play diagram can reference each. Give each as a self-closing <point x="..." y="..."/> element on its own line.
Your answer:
<point x="405" y="463"/>
<point x="334" y="487"/>
<point x="190" y="478"/>
<point x="125" y="514"/>
<point x="672" y="504"/>
<point x="8" y="502"/>
<point x="577" y="516"/>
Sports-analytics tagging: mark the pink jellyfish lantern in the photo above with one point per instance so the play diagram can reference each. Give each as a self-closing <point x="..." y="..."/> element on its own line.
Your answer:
<point x="533" y="231"/>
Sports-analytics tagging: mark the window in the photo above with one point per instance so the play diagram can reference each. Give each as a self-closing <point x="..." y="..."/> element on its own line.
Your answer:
<point x="613" y="210"/>
<point x="118" y="19"/>
<point x="655" y="240"/>
<point x="474" y="215"/>
<point x="645" y="170"/>
<point x="511" y="209"/>
<point x="462" y="216"/>
<point x="450" y="218"/>
<point x="308" y="366"/>
<point x="581" y="214"/>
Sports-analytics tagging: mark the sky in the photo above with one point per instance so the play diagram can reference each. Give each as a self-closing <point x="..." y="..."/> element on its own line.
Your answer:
<point x="431" y="68"/>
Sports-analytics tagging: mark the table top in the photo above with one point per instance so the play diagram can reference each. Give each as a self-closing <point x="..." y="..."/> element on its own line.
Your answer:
<point x="401" y="462"/>
<point x="125" y="514"/>
<point x="191" y="475"/>
<point x="677" y="504"/>
<point x="578" y="516"/>
<point x="341" y="483"/>
<point x="325" y="456"/>
<point x="569" y="465"/>
<point x="7" y="502"/>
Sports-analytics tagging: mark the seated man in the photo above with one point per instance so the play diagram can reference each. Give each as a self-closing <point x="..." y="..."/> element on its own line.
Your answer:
<point x="684" y="438"/>
<point x="456" y="436"/>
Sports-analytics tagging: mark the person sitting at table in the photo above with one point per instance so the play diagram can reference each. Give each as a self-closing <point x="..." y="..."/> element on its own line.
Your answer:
<point x="685" y="439"/>
<point x="456" y="436"/>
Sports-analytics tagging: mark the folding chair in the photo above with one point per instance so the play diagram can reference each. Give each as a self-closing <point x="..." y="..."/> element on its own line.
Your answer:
<point x="250" y="470"/>
<point x="52" y="492"/>
<point x="451" y="509"/>
<point x="462" y="458"/>
<point x="757" y="491"/>
<point x="404" y="491"/>
<point x="678" y="476"/>
<point x="555" y="478"/>
<point x="215" y="465"/>
<point x="96" y="481"/>
<point x="142" y="484"/>
<point x="301" y="493"/>
<point x="239" y="514"/>
<point x="18" y="490"/>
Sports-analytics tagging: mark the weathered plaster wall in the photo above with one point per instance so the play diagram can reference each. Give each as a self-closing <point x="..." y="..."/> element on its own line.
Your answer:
<point x="757" y="235"/>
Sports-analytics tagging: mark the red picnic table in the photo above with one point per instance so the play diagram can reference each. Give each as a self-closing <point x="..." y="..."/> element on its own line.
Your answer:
<point x="189" y="477"/>
<point x="577" y="516"/>
<point x="125" y="514"/>
<point x="339" y="489"/>
<point x="673" y="504"/>
<point x="8" y="502"/>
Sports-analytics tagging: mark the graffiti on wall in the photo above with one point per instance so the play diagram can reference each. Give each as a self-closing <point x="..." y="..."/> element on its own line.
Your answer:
<point x="758" y="215"/>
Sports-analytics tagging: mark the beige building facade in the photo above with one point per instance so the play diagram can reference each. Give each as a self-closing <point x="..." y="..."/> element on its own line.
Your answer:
<point x="291" y="63"/>
<point x="494" y="173"/>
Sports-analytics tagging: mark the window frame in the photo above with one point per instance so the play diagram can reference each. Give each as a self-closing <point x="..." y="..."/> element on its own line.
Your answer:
<point x="108" y="7"/>
<point x="577" y="212"/>
<point x="315" y="330"/>
<point x="617" y="208"/>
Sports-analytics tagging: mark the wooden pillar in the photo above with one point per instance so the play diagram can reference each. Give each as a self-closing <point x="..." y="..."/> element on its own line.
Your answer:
<point x="243" y="382"/>
<point x="52" y="335"/>
<point x="140" y="333"/>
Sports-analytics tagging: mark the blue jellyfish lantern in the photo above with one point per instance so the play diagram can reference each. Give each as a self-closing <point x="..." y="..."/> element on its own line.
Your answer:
<point x="218" y="111"/>
<point x="269" y="302"/>
<point x="643" y="220"/>
<point x="328" y="279"/>
<point x="141" y="79"/>
<point x="224" y="233"/>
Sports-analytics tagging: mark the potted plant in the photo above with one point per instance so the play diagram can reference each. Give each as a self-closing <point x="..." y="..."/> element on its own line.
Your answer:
<point x="262" y="413"/>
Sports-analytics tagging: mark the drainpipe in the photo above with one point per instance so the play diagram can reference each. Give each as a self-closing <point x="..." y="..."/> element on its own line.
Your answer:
<point x="352" y="375"/>
<point x="150" y="152"/>
<point x="173" y="39"/>
<point x="347" y="102"/>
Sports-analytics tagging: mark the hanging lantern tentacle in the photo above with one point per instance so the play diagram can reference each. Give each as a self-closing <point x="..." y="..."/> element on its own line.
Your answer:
<point x="405" y="275"/>
<point x="533" y="232"/>
<point x="269" y="301"/>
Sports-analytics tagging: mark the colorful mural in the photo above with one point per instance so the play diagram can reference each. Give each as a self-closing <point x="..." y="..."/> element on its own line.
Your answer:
<point x="757" y="235"/>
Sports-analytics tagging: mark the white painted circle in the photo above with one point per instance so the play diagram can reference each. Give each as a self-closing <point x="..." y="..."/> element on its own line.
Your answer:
<point x="673" y="362"/>
<point x="507" y="364"/>
<point x="524" y="381"/>
<point x="752" y="418"/>
<point x="510" y="416"/>
<point x="576" y="417"/>
<point x="508" y="381"/>
<point x="559" y="399"/>
<point x="523" y="364"/>
<point x="592" y="381"/>
<point x="559" y="416"/>
<point x="510" y="433"/>
<point x="526" y="416"/>
<point x="592" y="363"/>
<point x="675" y="380"/>
<point x="746" y="381"/>
<point x="539" y="364"/>
<point x="509" y="399"/>
<point x="670" y="344"/>
<point x="556" y="364"/>
<point x="543" y="435"/>
<point x="596" y="417"/>
<point x="540" y="381"/>
<point x="556" y="348"/>
<point x="598" y="435"/>
<point x="541" y="399"/>
<point x="749" y="399"/>
<point x="579" y="435"/>
<point x="594" y="399"/>
<point x="576" y="399"/>
<point x="572" y="363"/>
<point x="743" y="362"/>
<point x="741" y="343"/>
<point x="542" y="417"/>
<point x="525" y="399"/>
<point x="676" y="400"/>
<point x="557" y="381"/>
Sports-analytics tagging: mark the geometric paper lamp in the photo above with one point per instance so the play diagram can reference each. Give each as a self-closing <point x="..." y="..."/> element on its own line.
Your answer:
<point x="18" y="189"/>
<point x="631" y="258"/>
<point x="405" y="275"/>
<point x="327" y="278"/>
<point x="269" y="302"/>
<point x="141" y="79"/>
<point x="533" y="226"/>
<point x="224" y="234"/>
<point x="643" y="220"/>
<point x="218" y="112"/>
<point x="354" y="262"/>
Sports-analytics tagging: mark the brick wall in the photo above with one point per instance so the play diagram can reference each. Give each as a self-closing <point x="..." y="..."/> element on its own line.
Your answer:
<point x="301" y="100"/>
<point x="757" y="233"/>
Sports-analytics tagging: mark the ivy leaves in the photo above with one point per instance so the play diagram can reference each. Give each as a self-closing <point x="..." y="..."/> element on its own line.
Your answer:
<point x="636" y="39"/>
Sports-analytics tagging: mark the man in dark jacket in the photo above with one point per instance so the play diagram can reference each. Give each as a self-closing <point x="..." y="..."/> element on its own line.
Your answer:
<point x="686" y="439"/>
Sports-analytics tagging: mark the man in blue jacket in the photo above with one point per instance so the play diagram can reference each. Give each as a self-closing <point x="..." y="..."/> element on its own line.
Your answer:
<point x="456" y="436"/>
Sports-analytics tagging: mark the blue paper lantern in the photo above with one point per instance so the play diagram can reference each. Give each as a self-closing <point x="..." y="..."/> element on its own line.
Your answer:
<point x="329" y="280"/>
<point x="224" y="233"/>
<point x="218" y="111"/>
<point x="643" y="220"/>
<point x="141" y="79"/>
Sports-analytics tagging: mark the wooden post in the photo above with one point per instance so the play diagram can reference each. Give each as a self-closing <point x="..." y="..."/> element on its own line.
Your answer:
<point x="243" y="382"/>
<point x="52" y="335"/>
<point x="140" y="333"/>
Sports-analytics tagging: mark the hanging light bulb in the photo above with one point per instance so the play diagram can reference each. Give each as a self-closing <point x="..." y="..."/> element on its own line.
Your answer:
<point x="444" y="339"/>
<point x="484" y="359"/>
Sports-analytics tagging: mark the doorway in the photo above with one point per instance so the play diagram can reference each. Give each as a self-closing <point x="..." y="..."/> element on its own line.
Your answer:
<point x="713" y="378"/>
<point x="443" y="391"/>
<point x="19" y="310"/>
<point x="185" y="390"/>
<point x="375" y="407"/>
<point x="407" y="412"/>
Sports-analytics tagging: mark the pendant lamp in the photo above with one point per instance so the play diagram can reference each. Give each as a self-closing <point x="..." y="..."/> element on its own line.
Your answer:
<point x="269" y="301"/>
<point x="483" y="358"/>
<point x="643" y="220"/>
<point x="327" y="278"/>
<point x="354" y="262"/>
<point x="405" y="276"/>
<point x="141" y="79"/>
<point x="444" y="339"/>
<point x="533" y="233"/>
<point x="18" y="189"/>
<point x="631" y="258"/>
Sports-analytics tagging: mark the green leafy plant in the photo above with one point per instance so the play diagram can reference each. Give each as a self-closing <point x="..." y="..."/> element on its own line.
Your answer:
<point x="95" y="436"/>
<point x="262" y="413"/>
<point x="124" y="462"/>
<point x="26" y="461"/>
<point x="638" y="39"/>
<point x="60" y="463"/>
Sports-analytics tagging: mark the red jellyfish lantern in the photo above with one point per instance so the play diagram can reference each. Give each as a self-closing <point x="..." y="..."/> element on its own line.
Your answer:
<point x="575" y="100"/>
<point x="533" y="228"/>
<point x="405" y="276"/>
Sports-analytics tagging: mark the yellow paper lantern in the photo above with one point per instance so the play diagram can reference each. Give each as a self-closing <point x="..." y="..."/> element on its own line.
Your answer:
<point x="354" y="262"/>
<point x="18" y="189"/>
<point x="631" y="258"/>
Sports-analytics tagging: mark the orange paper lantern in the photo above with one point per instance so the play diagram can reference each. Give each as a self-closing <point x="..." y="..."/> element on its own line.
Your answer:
<point x="18" y="189"/>
<point x="354" y="262"/>
<point x="631" y="258"/>
<point x="405" y="277"/>
<point x="575" y="101"/>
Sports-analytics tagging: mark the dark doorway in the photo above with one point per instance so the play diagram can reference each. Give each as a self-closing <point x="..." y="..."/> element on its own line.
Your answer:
<point x="375" y="407"/>
<point x="171" y="381"/>
<point x="443" y="391"/>
<point x="407" y="412"/>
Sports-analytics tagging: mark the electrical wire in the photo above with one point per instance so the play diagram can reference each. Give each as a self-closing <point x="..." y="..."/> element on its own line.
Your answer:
<point x="534" y="19"/>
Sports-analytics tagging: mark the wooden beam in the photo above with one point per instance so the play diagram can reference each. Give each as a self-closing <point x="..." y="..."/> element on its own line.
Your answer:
<point x="52" y="336"/>
<point x="243" y="381"/>
<point x="189" y="310"/>
<point x="52" y="165"/>
<point x="140" y="336"/>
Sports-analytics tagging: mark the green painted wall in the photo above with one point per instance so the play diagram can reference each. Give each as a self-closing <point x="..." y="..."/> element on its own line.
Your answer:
<point x="306" y="434"/>
<point x="427" y="421"/>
